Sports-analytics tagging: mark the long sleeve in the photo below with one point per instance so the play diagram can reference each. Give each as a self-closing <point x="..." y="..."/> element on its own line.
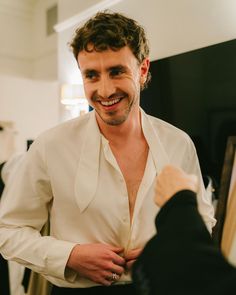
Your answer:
<point x="24" y="211"/>
<point x="181" y="258"/>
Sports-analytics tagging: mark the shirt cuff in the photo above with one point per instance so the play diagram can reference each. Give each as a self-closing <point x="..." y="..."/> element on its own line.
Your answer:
<point x="58" y="256"/>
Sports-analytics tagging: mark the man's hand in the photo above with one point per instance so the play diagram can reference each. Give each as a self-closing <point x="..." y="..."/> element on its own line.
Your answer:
<point x="172" y="180"/>
<point x="97" y="262"/>
<point x="130" y="258"/>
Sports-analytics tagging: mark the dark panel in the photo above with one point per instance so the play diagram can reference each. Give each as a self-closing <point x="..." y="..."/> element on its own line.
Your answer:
<point x="196" y="91"/>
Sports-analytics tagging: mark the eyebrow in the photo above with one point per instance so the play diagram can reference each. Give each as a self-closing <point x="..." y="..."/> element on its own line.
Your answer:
<point x="116" y="67"/>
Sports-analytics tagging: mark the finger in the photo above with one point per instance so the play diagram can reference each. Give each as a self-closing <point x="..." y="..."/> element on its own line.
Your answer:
<point x="133" y="254"/>
<point x="111" y="277"/>
<point x="117" y="269"/>
<point x="106" y="278"/>
<point x="102" y="278"/>
<point x="108" y="275"/>
<point x="116" y="249"/>
<point x="106" y="282"/>
<point x="117" y="259"/>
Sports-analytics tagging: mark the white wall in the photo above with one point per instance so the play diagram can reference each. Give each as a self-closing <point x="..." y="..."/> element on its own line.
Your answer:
<point x="32" y="105"/>
<point x="28" y="62"/>
<point x="70" y="8"/>
<point x="175" y="27"/>
<point x="16" y="42"/>
<point x="26" y="50"/>
<point x="44" y="47"/>
<point x="68" y="71"/>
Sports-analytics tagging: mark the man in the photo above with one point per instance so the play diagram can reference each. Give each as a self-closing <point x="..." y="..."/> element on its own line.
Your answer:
<point x="181" y="258"/>
<point x="93" y="177"/>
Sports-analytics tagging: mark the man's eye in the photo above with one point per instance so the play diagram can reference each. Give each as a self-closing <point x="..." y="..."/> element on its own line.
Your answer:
<point x="91" y="76"/>
<point x="116" y="72"/>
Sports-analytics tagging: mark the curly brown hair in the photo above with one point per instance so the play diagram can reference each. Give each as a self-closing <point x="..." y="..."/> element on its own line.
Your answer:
<point x="111" y="30"/>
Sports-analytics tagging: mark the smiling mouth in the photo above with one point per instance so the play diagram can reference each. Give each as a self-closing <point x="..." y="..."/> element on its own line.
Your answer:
<point x="110" y="102"/>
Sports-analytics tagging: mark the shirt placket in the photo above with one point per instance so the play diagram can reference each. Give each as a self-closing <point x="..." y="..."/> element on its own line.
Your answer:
<point x="125" y="218"/>
<point x="147" y="181"/>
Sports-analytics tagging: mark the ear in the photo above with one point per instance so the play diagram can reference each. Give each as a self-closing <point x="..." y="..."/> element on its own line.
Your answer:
<point x="144" y="68"/>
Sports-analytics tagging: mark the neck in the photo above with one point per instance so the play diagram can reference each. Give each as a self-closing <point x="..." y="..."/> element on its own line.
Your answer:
<point x="123" y="132"/>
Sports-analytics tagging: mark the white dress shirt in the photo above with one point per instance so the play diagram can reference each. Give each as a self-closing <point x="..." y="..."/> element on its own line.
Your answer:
<point x="71" y="176"/>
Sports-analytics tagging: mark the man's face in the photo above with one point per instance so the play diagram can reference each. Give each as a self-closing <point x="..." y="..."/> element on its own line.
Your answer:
<point x="112" y="82"/>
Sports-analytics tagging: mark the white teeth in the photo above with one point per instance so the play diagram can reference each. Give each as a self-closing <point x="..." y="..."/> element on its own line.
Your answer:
<point x="109" y="103"/>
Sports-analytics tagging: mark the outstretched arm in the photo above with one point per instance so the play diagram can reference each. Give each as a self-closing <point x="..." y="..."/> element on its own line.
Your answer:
<point x="181" y="258"/>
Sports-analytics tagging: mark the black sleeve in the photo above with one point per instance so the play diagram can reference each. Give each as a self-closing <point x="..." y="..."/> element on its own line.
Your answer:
<point x="181" y="258"/>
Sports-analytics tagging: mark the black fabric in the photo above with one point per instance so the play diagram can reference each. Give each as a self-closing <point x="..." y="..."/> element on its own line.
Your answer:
<point x="26" y="278"/>
<point x="182" y="259"/>
<point x="1" y="181"/>
<point x="111" y="290"/>
<point x="4" y="275"/>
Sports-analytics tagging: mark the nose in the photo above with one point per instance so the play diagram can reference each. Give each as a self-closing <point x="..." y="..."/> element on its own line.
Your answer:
<point x="106" y="87"/>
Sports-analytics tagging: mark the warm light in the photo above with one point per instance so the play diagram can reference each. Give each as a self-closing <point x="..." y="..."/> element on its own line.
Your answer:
<point x="70" y="101"/>
<point x="71" y="94"/>
<point x="74" y="101"/>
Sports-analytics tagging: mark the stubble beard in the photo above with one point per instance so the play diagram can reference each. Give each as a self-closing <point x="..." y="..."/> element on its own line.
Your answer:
<point x="116" y="121"/>
<point x="111" y="118"/>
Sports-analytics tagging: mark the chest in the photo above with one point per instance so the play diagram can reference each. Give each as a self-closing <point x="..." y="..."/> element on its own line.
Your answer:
<point x="132" y="163"/>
